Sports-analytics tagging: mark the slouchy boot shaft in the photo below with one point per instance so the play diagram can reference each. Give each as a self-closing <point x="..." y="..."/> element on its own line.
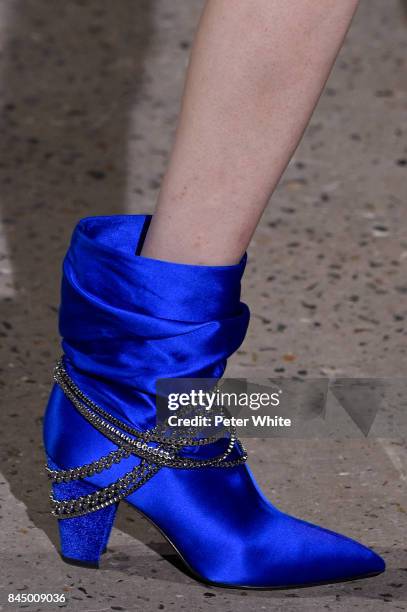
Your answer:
<point x="126" y="320"/>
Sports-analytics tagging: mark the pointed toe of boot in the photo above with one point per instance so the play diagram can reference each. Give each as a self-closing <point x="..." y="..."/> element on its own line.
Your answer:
<point x="319" y="556"/>
<point x="354" y="560"/>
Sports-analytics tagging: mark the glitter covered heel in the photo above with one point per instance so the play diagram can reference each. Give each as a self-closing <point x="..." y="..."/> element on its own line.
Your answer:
<point x="84" y="537"/>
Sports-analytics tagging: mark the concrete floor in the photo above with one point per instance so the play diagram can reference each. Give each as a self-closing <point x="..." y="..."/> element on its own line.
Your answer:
<point x="89" y="92"/>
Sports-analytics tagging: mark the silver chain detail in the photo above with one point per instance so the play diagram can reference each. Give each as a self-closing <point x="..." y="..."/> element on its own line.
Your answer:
<point x="166" y="452"/>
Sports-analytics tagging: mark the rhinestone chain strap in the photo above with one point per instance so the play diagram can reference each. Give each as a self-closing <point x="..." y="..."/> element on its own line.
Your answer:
<point x="165" y="452"/>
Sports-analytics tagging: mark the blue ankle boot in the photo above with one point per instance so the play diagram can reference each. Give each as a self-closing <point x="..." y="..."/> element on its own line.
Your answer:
<point x="125" y="321"/>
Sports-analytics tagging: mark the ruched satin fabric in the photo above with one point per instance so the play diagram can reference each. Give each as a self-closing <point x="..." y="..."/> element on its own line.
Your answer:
<point x="126" y="320"/>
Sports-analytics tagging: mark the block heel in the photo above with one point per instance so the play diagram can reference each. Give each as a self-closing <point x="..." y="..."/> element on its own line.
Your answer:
<point x="83" y="539"/>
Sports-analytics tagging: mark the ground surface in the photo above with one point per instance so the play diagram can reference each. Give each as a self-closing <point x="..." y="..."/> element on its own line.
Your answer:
<point x="89" y="93"/>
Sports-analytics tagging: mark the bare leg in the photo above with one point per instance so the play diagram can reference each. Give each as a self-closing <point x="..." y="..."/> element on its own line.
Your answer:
<point x="256" y="72"/>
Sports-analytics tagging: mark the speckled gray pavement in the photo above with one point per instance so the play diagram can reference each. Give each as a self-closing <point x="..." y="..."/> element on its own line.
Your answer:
<point x="89" y="94"/>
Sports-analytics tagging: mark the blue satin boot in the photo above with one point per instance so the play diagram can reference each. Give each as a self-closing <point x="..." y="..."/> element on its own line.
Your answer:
<point x="125" y="321"/>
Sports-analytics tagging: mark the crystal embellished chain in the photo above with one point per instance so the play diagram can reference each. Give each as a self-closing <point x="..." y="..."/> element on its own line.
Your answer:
<point x="153" y="448"/>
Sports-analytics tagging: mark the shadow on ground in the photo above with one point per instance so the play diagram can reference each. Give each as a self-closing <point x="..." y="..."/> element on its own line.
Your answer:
<point x="71" y="72"/>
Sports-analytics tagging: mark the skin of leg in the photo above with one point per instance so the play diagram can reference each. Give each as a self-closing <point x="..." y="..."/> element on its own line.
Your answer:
<point x="256" y="72"/>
